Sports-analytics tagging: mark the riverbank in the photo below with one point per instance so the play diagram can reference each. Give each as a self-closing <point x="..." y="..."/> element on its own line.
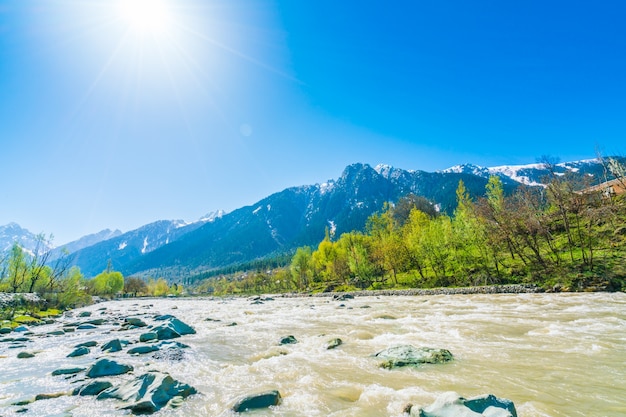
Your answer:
<point x="483" y="289"/>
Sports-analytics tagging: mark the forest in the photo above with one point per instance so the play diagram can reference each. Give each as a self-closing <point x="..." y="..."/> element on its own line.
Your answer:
<point x="565" y="235"/>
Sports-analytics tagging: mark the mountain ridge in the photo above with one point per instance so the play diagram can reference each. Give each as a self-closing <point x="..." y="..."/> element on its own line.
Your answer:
<point x="296" y="216"/>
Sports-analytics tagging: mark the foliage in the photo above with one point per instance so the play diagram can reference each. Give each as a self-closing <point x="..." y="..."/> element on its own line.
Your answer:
<point x="558" y="236"/>
<point x="108" y="283"/>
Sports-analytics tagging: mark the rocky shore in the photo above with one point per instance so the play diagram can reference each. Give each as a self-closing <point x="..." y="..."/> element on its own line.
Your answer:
<point x="483" y="289"/>
<point x="12" y="300"/>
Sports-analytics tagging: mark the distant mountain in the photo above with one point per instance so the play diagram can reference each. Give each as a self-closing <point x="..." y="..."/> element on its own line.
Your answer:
<point x="532" y="174"/>
<point x="283" y="221"/>
<point x="124" y="248"/>
<point x="14" y="233"/>
<point x="84" y="242"/>
<point x="299" y="216"/>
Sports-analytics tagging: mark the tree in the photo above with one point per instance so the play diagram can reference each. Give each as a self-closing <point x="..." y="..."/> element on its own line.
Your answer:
<point x="17" y="270"/>
<point x="402" y="209"/>
<point x="301" y="267"/>
<point x="134" y="285"/>
<point x="108" y="283"/>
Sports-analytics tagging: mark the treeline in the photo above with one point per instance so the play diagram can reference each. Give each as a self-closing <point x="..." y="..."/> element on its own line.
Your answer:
<point x="63" y="285"/>
<point x="563" y="235"/>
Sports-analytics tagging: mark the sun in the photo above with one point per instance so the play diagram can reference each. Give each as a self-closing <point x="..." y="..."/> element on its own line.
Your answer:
<point x="146" y="16"/>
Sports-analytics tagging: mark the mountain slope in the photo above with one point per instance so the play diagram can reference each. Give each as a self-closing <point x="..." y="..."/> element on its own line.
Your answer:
<point x="84" y="242"/>
<point x="125" y="248"/>
<point x="299" y="216"/>
<point x="30" y="242"/>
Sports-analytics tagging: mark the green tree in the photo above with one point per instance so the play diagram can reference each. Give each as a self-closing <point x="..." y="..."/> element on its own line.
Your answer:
<point x="135" y="286"/>
<point x="301" y="267"/>
<point x="108" y="283"/>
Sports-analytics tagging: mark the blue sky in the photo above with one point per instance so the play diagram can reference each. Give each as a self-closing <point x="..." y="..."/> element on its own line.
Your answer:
<point x="109" y="122"/>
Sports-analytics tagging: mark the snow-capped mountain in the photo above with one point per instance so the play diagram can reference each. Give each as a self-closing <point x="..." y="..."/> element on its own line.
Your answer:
<point x="294" y="217"/>
<point x="30" y="242"/>
<point x="124" y="248"/>
<point x="531" y="174"/>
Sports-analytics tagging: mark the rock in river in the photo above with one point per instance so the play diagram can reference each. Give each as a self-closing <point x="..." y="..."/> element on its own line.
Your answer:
<point x="262" y="400"/>
<point x="451" y="404"/>
<point x="407" y="355"/>
<point x="173" y="328"/>
<point x="105" y="367"/>
<point x="148" y="393"/>
<point x="79" y="351"/>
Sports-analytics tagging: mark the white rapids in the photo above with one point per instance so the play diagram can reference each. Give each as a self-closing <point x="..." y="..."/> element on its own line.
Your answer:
<point x="551" y="354"/>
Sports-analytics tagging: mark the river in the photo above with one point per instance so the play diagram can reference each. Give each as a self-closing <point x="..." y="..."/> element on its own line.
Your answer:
<point x="551" y="354"/>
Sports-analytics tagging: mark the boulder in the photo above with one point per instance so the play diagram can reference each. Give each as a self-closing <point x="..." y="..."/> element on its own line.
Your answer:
<point x="92" y="388"/>
<point x="333" y="343"/>
<point x="261" y="400"/>
<point x="25" y="355"/>
<point x="407" y="355"/>
<point x="172" y="329"/>
<point x="450" y="404"/>
<point x="105" y="367"/>
<point x="148" y="393"/>
<point x="78" y="352"/>
<point x="5" y="330"/>
<point x="20" y="329"/>
<point x="112" y="346"/>
<point x="134" y="321"/>
<point x="142" y="350"/>
<point x="147" y="337"/>
<point x="86" y="327"/>
<point x="84" y="314"/>
<point x="67" y="371"/>
<point x="95" y="322"/>
<point x="87" y="344"/>
<point x="288" y="340"/>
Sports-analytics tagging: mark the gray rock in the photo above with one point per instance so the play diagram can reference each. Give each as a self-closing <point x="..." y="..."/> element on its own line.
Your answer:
<point x="112" y="346"/>
<point x="95" y="322"/>
<point x="56" y="333"/>
<point x="86" y="327"/>
<point x="147" y="337"/>
<point x="5" y="330"/>
<point x="92" y="388"/>
<point x="91" y="343"/>
<point x="407" y="355"/>
<point x="288" y="340"/>
<point x="67" y="371"/>
<point x="133" y="321"/>
<point x="148" y="393"/>
<point x="105" y="367"/>
<point x="25" y="355"/>
<point x="142" y="350"/>
<point x="79" y="352"/>
<point x="451" y="404"/>
<point x="84" y="314"/>
<point x="261" y="400"/>
<point x="172" y="329"/>
<point x="333" y="343"/>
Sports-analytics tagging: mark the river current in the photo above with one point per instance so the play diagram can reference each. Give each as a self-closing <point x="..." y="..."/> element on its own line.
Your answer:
<point x="551" y="354"/>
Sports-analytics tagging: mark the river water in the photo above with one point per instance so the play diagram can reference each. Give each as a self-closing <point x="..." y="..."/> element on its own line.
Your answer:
<point x="551" y="354"/>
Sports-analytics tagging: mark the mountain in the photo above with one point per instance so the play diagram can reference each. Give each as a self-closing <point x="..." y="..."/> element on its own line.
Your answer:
<point x="294" y="217"/>
<point x="532" y="174"/>
<point x="299" y="216"/>
<point x="123" y="249"/>
<point x="84" y="242"/>
<point x="30" y="242"/>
